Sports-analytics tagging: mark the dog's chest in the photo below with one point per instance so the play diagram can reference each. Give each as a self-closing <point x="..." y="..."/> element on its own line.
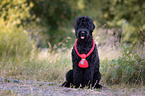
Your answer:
<point x="84" y="49"/>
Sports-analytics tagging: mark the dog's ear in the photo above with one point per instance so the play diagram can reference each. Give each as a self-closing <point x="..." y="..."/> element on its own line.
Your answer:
<point x="76" y="28"/>
<point x="93" y="26"/>
<point x="77" y="22"/>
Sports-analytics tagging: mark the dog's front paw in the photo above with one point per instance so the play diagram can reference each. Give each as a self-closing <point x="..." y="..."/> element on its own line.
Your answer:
<point x="98" y="86"/>
<point x="66" y="84"/>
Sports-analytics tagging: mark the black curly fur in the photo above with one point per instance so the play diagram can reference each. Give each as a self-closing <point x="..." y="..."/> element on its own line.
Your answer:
<point x="81" y="77"/>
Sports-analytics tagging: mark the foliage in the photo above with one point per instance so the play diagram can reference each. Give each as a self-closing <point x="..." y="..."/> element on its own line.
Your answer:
<point x="14" y="40"/>
<point x="128" y="68"/>
<point x="55" y="15"/>
<point x="113" y="13"/>
<point x="15" y="12"/>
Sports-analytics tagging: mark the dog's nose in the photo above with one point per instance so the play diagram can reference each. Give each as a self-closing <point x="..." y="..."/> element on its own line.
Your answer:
<point x="83" y="32"/>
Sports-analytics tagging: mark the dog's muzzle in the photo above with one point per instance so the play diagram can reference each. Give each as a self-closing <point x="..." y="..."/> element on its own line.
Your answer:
<point x="83" y="34"/>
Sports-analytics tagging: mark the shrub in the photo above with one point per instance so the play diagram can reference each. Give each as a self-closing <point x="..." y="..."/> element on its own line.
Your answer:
<point x="15" y="43"/>
<point x="14" y="40"/>
<point x="128" y="68"/>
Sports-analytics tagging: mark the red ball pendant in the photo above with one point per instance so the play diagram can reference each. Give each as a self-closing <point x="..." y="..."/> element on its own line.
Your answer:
<point x="83" y="63"/>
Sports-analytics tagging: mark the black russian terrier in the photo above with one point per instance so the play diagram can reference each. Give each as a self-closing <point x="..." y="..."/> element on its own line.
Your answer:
<point x="85" y="57"/>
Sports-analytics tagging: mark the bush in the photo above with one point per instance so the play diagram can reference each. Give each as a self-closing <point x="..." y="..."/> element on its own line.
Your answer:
<point x="128" y="68"/>
<point x="15" y="43"/>
<point x="14" y="40"/>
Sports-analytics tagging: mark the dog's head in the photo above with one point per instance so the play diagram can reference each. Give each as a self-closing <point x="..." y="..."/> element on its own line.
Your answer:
<point x="84" y="27"/>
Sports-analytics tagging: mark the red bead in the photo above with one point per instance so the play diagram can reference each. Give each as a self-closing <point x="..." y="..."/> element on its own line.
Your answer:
<point x="83" y="56"/>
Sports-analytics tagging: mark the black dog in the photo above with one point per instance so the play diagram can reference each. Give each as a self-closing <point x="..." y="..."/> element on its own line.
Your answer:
<point x="87" y="76"/>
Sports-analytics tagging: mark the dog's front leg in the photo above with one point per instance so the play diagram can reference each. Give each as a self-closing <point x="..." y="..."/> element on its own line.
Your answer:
<point x="91" y="76"/>
<point x="88" y="77"/>
<point x="77" y="77"/>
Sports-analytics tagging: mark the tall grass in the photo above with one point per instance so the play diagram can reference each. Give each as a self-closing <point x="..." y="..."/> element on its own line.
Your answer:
<point x="118" y="64"/>
<point x="128" y="68"/>
<point x="52" y="67"/>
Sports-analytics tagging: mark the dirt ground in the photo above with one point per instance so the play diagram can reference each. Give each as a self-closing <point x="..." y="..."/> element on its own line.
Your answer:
<point x="15" y="87"/>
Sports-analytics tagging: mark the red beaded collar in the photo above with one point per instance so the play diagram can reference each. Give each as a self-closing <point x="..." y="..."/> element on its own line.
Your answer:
<point x="84" y="63"/>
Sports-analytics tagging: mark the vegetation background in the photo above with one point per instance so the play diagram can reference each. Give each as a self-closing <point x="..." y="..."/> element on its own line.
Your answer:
<point x="36" y="37"/>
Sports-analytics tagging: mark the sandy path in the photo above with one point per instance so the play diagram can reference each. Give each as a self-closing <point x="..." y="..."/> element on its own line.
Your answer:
<point x="38" y="88"/>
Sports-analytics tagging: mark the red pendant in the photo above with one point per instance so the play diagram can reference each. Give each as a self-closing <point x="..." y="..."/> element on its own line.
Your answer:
<point x="83" y="63"/>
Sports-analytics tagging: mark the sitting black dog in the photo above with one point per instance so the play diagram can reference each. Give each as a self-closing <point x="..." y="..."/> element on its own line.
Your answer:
<point x="85" y="57"/>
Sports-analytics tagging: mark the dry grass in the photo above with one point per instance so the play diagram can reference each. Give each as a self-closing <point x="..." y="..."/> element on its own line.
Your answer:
<point x="7" y="93"/>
